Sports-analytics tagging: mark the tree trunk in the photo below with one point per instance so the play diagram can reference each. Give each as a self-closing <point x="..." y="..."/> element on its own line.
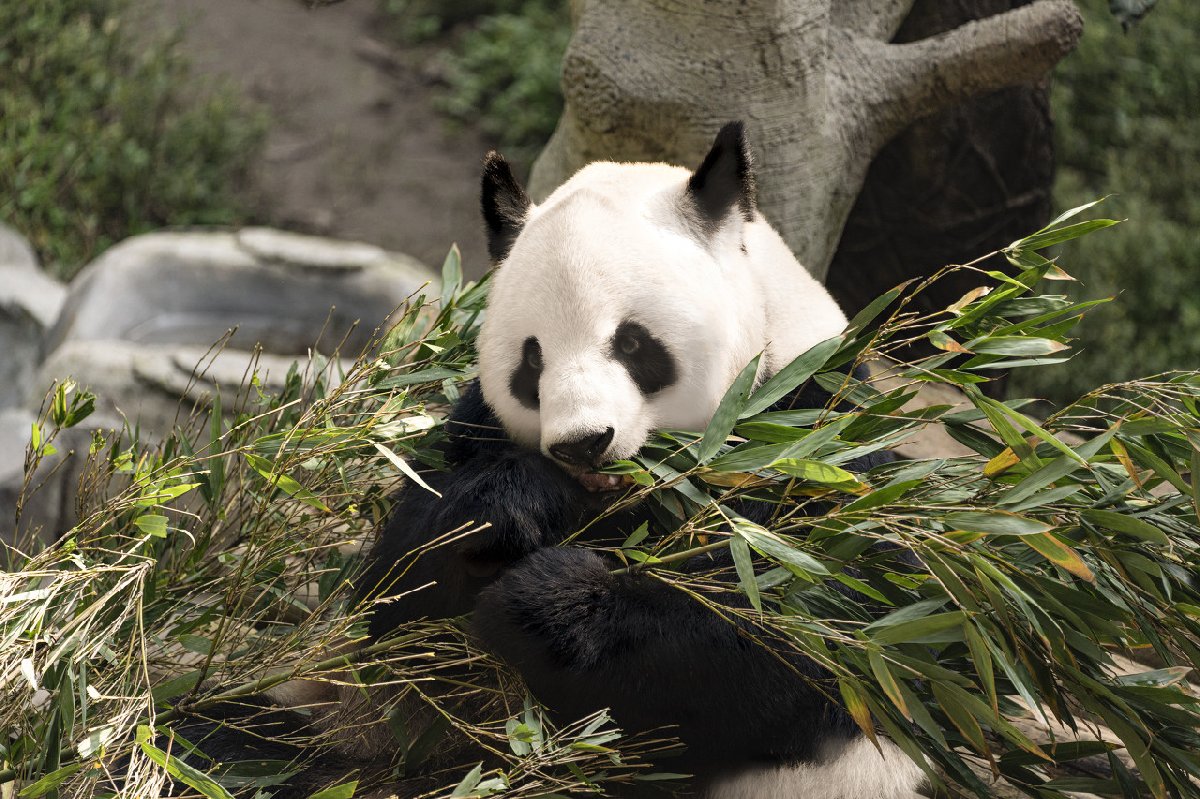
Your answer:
<point x="960" y="183"/>
<point x="816" y="81"/>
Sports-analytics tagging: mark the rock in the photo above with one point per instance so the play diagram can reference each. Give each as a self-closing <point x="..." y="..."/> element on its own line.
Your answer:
<point x="29" y="304"/>
<point x="15" y="425"/>
<point x="15" y="250"/>
<point x="284" y="291"/>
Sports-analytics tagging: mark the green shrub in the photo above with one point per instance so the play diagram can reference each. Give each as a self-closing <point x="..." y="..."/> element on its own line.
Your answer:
<point x="101" y="137"/>
<point x="1126" y="106"/>
<point x="501" y="63"/>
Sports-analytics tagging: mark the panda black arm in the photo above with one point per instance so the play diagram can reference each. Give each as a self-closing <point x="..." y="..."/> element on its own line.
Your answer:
<point x="584" y="639"/>
<point x="498" y="503"/>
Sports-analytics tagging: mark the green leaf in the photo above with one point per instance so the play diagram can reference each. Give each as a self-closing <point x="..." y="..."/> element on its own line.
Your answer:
<point x="745" y="570"/>
<point x="820" y="473"/>
<point x="774" y="546"/>
<point x="981" y="659"/>
<point x="637" y="536"/>
<point x="930" y="629"/>
<point x="950" y="701"/>
<point x="1014" y="345"/>
<point x="882" y="496"/>
<point x="177" y="686"/>
<point x="1126" y="524"/>
<point x="49" y="782"/>
<point x="152" y="524"/>
<point x="874" y="308"/>
<point x="789" y="377"/>
<point x="1057" y="235"/>
<point x="452" y="277"/>
<point x="284" y="483"/>
<point x="995" y="522"/>
<point x="467" y="786"/>
<point x="192" y="777"/>
<point x="1059" y="554"/>
<point x="855" y="700"/>
<point x="1023" y="422"/>
<point x="887" y="681"/>
<point x="1071" y="213"/>
<point x="343" y="791"/>
<point x="731" y="407"/>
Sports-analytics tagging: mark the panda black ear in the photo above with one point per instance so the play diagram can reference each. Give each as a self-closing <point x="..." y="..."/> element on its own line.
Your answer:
<point x="505" y="206"/>
<point x="725" y="179"/>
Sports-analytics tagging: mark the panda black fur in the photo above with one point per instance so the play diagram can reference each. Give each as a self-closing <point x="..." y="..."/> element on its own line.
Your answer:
<point x="627" y="301"/>
<point x="626" y="262"/>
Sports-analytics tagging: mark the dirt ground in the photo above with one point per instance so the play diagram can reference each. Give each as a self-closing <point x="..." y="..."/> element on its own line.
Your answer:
<point x="354" y="148"/>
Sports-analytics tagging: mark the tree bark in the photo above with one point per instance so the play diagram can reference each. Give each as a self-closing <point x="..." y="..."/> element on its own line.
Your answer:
<point x="950" y="187"/>
<point x="816" y="81"/>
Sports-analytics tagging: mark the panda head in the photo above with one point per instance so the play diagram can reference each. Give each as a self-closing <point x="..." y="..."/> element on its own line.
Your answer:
<point x="622" y="304"/>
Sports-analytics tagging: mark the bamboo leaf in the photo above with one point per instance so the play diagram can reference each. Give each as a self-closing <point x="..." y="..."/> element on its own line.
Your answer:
<point x="937" y="628"/>
<point x="284" y="483"/>
<point x="1126" y="524"/>
<point x="732" y="406"/>
<point x="343" y="791"/>
<point x="949" y="702"/>
<point x="745" y="570"/>
<point x="775" y="547"/>
<point x="789" y="377"/>
<point x="887" y="681"/>
<point x="407" y="470"/>
<point x="855" y="700"/>
<point x="1059" y="554"/>
<point x="820" y="473"/>
<point x="995" y="522"/>
<point x="179" y="770"/>
<point x="1057" y="235"/>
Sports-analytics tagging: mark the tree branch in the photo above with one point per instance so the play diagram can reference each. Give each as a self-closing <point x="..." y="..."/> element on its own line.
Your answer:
<point x="872" y="19"/>
<point x="909" y="81"/>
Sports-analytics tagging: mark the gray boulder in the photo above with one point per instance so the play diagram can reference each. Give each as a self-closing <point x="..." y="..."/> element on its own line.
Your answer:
<point x="29" y="304"/>
<point x="15" y="249"/>
<point x="283" y="291"/>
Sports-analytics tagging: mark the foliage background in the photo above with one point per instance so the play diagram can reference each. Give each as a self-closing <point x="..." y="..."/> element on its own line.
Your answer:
<point x="98" y="141"/>
<point x="1126" y="107"/>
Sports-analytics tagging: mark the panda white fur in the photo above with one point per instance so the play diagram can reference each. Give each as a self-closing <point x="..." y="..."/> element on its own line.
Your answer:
<point x="627" y="301"/>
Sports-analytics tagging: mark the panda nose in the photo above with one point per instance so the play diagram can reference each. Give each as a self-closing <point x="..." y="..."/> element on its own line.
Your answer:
<point x="585" y="451"/>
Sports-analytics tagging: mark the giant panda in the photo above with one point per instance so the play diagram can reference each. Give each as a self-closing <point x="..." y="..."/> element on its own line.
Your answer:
<point x="627" y="301"/>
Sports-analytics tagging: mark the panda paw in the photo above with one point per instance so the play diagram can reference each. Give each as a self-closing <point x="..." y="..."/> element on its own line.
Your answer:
<point x="518" y="500"/>
<point x="554" y="609"/>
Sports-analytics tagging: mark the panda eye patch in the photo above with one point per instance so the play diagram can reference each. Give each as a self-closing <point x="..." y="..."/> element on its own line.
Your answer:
<point x="628" y="345"/>
<point x="524" y="381"/>
<point x="646" y="358"/>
